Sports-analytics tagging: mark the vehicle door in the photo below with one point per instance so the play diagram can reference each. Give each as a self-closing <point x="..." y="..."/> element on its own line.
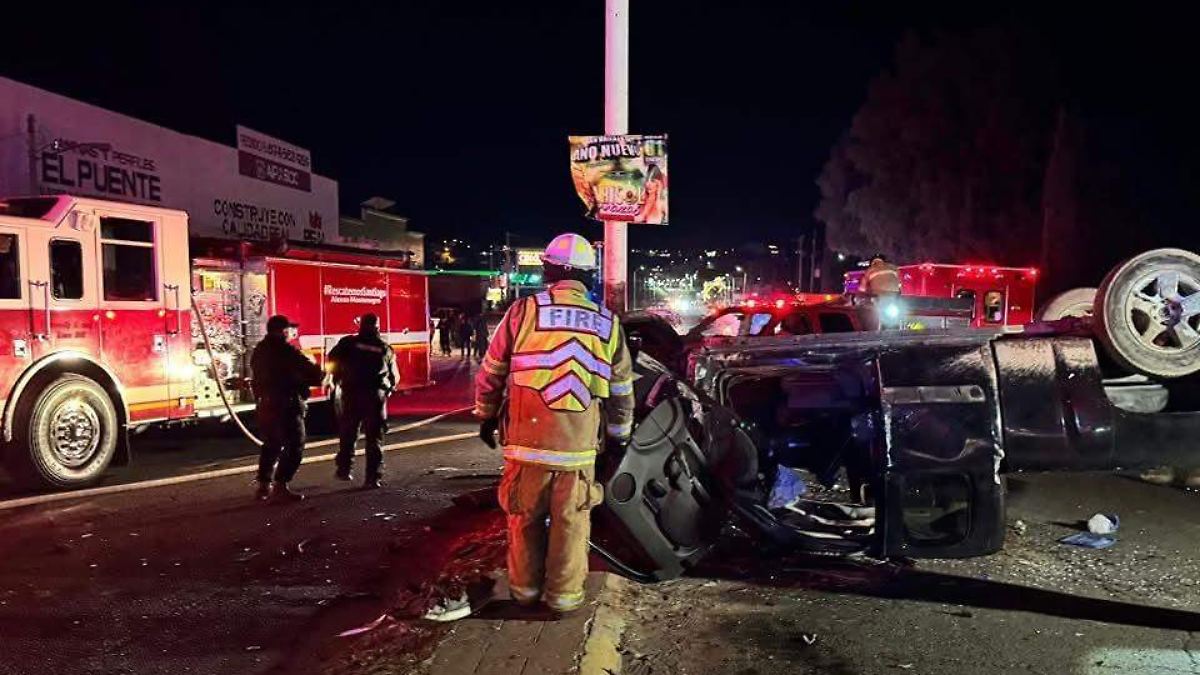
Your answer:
<point x="63" y="287"/>
<point x="136" y="328"/>
<point x="939" y="451"/>
<point x="663" y="507"/>
<point x="16" y="327"/>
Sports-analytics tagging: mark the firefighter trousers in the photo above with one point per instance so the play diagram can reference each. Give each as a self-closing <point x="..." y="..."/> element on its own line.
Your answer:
<point x="281" y="425"/>
<point x="548" y="561"/>
<point x="365" y="409"/>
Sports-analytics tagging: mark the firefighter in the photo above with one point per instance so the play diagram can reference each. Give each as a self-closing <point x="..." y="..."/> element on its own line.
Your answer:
<point x="364" y="371"/>
<point x="281" y="379"/>
<point x="562" y="361"/>
<point x="881" y="278"/>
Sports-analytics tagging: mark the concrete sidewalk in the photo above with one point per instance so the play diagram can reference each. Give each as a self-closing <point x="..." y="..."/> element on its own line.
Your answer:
<point x="502" y="639"/>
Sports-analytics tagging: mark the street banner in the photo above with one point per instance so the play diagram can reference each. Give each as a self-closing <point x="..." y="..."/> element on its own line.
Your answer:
<point x="621" y="178"/>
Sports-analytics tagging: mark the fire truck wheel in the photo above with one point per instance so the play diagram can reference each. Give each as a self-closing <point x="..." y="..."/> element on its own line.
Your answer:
<point x="69" y="434"/>
<point x="1077" y="302"/>
<point x="1148" y="313"/>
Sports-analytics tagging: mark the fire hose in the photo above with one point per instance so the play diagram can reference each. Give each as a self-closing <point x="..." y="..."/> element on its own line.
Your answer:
<point x="212" y="361"/>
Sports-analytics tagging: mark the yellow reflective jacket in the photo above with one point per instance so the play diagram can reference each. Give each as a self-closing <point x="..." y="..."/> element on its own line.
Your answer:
<point x="567" y="368"/>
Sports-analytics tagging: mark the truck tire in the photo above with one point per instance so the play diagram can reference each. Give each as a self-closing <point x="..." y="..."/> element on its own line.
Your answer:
<point x="66" y="434"/>
<point x="1147" y="313"/>
<point x="1077" y="302"/>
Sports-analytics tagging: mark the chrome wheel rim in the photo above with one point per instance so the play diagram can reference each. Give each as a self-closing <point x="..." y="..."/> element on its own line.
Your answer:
<point x="75" y="432"/>
<point x="1162" y="311"/>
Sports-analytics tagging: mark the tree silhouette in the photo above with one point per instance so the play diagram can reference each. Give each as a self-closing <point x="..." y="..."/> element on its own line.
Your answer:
<point x="946" y="158"/>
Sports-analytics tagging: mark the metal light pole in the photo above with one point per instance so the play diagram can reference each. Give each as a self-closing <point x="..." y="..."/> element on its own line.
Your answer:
<point x="616" y="121"/>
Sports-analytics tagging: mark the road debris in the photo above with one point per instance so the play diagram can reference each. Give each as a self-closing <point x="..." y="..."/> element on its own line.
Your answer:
<point x="1103" y="523"/>
<point x="449" y="609"/>
<point x="1088" y="540"/>
<point x="383" y="618"/>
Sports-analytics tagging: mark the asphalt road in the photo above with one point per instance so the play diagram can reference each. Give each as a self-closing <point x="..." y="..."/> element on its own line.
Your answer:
<point x="200" y="578"/>
<point x="1037" y="607"/>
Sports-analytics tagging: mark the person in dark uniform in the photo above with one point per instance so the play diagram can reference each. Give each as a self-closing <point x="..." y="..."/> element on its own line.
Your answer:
<point x="281" y="379"/>
<point x="479" y="336"/>
<point x="445" y="331"/>
<point x="465" y="330"/>
<point x="364" y="370"/>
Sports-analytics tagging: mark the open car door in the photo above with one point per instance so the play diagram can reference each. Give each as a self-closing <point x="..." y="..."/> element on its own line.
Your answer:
<point x="661" y="513"/>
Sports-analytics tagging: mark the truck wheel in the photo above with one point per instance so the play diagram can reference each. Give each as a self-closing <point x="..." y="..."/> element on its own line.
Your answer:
<point x="1077" y="302"/>
<point x="1148" y="313"/>
<point x="67" y="434"/>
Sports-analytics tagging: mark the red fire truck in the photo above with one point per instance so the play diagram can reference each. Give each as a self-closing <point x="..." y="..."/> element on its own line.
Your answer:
<point x="1001" y="295"/>
<point x="97" y="334"/>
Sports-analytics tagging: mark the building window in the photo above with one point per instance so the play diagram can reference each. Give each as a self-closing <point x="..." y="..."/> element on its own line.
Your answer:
<point x="66" y="269"/>
<point x="127" y="250"/>
<point x="10" y="267"/>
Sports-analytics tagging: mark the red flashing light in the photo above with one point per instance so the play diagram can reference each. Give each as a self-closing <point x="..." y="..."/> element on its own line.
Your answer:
<point x="162" y="313"/>
<point x="110" y="315"/>
<point x="752" y="303"/>
<point x="779" y="303"/>
<point x="1033" y="271"/>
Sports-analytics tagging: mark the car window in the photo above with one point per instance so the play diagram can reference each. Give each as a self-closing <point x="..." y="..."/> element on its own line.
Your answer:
<point x="66" y="269"/>
<point x="726" y="325"/>
<point x="10" y="267"/>
<point x="758" y="322"/>
<point x="795" y="323"/>
<point x="127" y="251"/>
<point x="835" y="323"/>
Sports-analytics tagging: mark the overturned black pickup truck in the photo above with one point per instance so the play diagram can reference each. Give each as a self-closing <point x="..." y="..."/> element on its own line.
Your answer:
<point x="924" y="424"/>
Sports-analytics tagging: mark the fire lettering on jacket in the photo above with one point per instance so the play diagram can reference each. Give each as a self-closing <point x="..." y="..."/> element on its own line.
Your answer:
<point x="574" y="319"/>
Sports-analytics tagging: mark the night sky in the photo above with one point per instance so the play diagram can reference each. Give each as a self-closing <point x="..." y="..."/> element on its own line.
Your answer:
<point x="460" y="112"/>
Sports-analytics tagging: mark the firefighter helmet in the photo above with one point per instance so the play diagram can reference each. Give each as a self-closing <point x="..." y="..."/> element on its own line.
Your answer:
<point x="572" y="251"/>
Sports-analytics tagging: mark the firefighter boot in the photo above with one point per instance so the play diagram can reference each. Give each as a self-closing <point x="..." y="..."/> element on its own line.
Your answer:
<point x="572" y="496"/>
<point x="263" y="490"/>
<point x="280" y="493"/>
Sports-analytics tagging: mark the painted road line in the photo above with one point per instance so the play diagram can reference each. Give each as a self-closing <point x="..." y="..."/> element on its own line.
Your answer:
<point x="405" y="427"/>
<point x="218" y="473"/>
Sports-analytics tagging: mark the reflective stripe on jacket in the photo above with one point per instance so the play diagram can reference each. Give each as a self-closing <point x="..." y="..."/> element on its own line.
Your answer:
<point x="567" y="370"/>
